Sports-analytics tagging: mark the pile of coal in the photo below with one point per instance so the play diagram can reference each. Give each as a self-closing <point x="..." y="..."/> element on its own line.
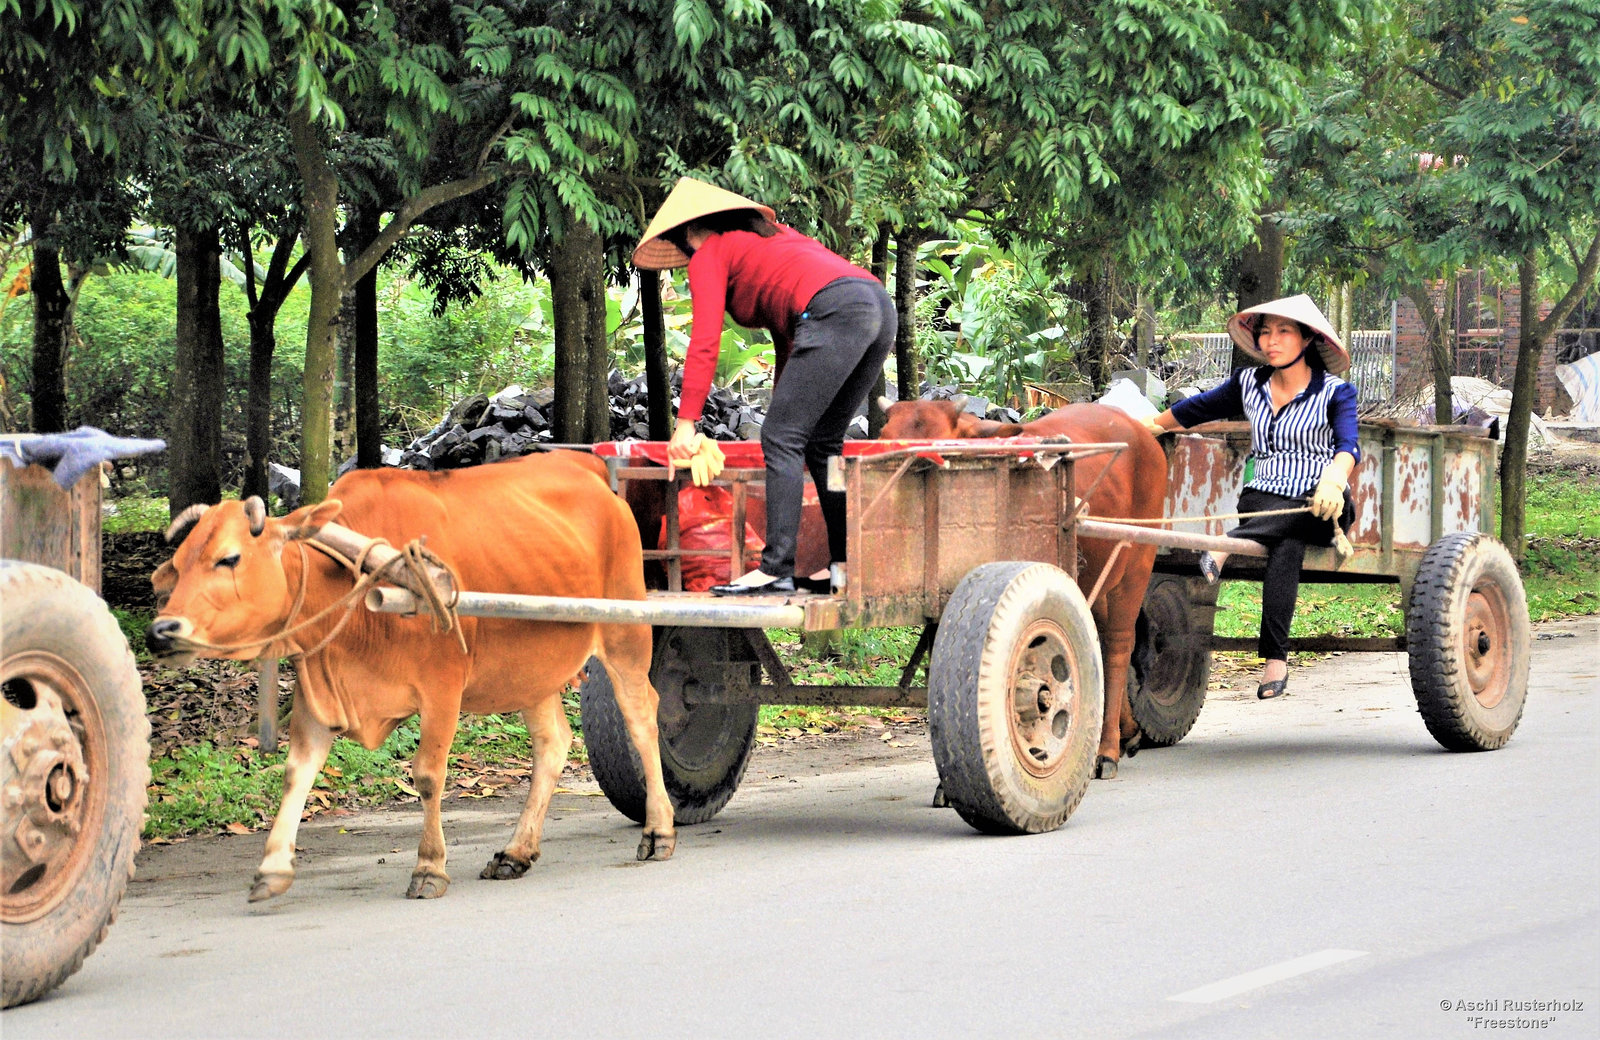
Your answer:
<point x="978" y="406"/>
<point x="516" y="421"/>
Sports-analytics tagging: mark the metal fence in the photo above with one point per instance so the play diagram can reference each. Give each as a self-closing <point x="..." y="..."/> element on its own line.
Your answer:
<point x="1204" y="358"/>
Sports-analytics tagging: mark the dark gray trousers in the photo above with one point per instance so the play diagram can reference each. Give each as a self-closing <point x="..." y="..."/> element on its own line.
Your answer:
<point x="840" y="344"/>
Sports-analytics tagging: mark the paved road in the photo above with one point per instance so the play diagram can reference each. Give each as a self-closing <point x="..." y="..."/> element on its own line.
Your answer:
<point x="1313" y="867"/>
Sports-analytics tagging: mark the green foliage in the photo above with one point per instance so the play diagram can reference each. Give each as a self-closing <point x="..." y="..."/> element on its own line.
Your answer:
<point x="428" y="360"/>
<point x="990" y="318"/>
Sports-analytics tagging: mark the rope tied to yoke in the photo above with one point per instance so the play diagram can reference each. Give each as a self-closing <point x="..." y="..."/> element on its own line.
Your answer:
<point x="414" y="558"/>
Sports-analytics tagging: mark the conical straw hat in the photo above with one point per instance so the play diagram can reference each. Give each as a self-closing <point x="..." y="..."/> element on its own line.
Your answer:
<point x="689" y="199"/>
<point x="1242" y="327"/>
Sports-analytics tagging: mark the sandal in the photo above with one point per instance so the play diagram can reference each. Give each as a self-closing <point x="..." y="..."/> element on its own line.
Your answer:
<point x="1209" y="568"/>
<point x="1268" y="690"/>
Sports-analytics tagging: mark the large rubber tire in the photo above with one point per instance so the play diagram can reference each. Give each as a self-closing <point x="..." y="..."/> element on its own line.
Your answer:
<point x="74" y="769"/>
<point x="1167" y="688"/>
<point x="1015" y="698"/>
<point x="704" y="747"/>
<point x="1469" y="642"/>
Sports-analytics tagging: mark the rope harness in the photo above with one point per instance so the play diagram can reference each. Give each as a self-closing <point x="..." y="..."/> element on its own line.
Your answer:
<point x="414" y="559"/>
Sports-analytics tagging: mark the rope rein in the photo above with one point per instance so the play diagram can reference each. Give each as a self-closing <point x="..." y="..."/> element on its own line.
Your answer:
<point x="414" y="558"/>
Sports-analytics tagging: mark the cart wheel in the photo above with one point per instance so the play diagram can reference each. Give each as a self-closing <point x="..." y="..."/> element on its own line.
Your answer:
<point x="704" y="747"/>
<point x="1015" y="697"/>
<point x="1174" y="643"/>
<point x="1468" y="639"/>
<point x="74" y="764"/>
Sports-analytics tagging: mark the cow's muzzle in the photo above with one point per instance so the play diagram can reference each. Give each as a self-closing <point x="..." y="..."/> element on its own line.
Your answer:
<point x="168" y="639"/>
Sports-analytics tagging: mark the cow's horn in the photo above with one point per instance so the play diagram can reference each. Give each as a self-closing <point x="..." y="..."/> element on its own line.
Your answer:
<point x="960" y="401"/>
<point x="884" y="404"/>
<point x="255" y="511"/>
<point x="183" y="521"/>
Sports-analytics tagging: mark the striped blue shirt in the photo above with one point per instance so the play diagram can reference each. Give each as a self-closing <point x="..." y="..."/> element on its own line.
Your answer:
<point x="1293" y="445"/>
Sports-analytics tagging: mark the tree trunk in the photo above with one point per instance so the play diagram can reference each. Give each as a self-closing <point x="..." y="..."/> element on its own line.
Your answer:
<point x="263" y="317"/>
<point x="195" y="452"/>
<point x="368" y="421"/>
<point x="880" y="388"/>
<point x="1097" y="344"/>
<point x="1259" y="277"/>
<point x="1514" y="457"/>
<point x="1438" y="324"/>
<point x="1441" y="341"/>
<point x="577" y="297"/>
<point x="52" y="327"/>
<point x="258" y="405"/>
<point x="908" y="377"/>
<point x="658" y="386"/>
<point x="320" y="203"/>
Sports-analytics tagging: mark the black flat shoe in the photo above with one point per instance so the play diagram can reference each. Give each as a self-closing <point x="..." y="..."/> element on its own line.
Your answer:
<point x="1268" y="690"/>
<point x="821" y="586"/>
<point x="1209" y="568"/>
<point x="776" y="587"/>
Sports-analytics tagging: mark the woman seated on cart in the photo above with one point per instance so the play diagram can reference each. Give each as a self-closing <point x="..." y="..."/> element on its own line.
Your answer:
<point x="1303" y="439"/>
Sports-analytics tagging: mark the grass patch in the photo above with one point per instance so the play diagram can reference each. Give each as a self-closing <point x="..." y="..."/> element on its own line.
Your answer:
<point x="134" y="513"/>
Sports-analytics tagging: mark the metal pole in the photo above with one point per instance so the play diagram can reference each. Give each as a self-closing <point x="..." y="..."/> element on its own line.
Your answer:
<point x="665" y="610"/>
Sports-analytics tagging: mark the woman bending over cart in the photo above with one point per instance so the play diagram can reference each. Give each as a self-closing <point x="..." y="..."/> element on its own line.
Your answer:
<point x="832" y="324"/>
<point x="1303" y="439"/>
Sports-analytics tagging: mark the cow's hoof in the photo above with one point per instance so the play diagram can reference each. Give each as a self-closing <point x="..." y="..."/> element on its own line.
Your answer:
<point x="657" y="846"/>
<point x="506" y="868"/>
<point x="1105" y="768"/>
<point x="1131" y="746"/>
<point x="427" y="886"/>
<point x="266" y="886"/>
<point x="940" y="799"/>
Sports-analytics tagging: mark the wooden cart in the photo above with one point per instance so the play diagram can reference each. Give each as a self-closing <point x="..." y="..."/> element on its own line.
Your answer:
<point x="1425" y="505"/>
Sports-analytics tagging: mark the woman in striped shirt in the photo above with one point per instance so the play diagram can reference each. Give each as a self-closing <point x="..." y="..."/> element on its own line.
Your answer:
<point x="1303" y="438"/>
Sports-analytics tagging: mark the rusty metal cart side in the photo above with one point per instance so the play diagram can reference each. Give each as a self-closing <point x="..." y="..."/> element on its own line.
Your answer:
<point x="1425" y="505"/>
<point x="973" y="542"/>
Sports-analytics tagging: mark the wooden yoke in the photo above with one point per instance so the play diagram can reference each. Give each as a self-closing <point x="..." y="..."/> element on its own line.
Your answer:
<point x="375" y="553"/>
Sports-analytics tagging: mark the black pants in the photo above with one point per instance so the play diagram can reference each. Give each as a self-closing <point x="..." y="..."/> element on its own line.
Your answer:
<point x="1286" y="538"/>
<point x="840" y="344"/>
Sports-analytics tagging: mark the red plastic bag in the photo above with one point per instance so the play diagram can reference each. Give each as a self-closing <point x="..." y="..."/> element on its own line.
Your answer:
<point x="705" y="518"/>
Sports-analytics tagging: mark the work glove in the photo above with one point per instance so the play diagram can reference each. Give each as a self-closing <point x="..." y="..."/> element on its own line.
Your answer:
<point x="1327" y="501"/>
<point x="706" y="462"/>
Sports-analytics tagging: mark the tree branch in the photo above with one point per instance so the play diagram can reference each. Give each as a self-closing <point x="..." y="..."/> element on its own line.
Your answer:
<point x="410" y="211"/>
<point x="1443" y="88"/>
<point x="1575" y="292"/>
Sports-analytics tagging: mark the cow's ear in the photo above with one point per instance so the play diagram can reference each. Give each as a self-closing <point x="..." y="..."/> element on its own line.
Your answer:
<point x="163" y="581"/>
<point x="306" y="521"/>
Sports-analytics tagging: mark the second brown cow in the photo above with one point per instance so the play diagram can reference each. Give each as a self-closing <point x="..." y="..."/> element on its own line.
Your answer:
<point x="1129" y="484"/>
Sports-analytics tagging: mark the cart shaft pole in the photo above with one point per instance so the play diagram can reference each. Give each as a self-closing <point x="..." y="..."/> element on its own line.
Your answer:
<point x="693" y="613"/>
<point x="1099" y="529"/>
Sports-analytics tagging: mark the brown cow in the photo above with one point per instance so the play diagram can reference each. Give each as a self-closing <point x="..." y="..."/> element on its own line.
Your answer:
<point x="1130" y="484"/>
<point x="543" y="525"/>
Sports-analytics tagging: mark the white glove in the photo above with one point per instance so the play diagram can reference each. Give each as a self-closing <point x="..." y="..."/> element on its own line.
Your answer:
<point x="1327" y="501"/>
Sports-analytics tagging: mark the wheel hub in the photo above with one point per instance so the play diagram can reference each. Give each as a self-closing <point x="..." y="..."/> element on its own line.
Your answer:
<point x="46" y="792"/>
<point x="1042" y="693"/>
<point x="1485" y="649"/>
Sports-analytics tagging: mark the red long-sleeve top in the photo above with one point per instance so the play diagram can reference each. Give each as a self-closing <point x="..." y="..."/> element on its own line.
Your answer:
<point x="763" y="283"/>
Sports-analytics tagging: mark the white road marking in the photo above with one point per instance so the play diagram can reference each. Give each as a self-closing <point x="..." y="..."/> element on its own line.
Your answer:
<point x="1264" y="976"/>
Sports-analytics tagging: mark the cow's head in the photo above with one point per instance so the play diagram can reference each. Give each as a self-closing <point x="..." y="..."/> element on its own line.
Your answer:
<point x="225" y="584"/>
<point x="938" y="421"/>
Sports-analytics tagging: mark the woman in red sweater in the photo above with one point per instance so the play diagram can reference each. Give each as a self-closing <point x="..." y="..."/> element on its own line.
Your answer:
<point x="831" y="322"/>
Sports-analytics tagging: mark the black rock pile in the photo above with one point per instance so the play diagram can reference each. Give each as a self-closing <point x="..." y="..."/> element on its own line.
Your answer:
<point x="515" y="421"/>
